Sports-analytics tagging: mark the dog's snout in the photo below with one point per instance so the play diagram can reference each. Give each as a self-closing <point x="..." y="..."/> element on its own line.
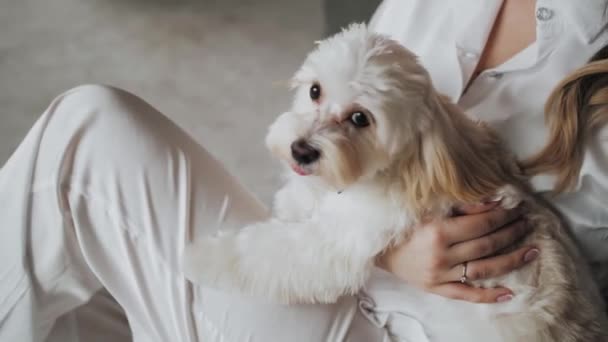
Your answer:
<point x="303" y="152"/>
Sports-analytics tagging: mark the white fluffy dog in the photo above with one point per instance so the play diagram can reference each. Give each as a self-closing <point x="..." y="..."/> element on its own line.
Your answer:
<point x="372" y="149"/>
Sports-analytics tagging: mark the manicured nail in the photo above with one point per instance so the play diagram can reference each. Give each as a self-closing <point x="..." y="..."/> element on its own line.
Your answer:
<point x="504" y="298"/>
<point x="531" y="255"/>
<point x="492" y="200"/>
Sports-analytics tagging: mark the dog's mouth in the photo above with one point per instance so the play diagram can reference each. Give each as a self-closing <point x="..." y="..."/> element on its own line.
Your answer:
<point x="302" y="170"/>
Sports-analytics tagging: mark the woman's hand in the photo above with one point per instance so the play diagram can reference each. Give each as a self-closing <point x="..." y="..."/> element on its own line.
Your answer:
<point x="433" y="257"/>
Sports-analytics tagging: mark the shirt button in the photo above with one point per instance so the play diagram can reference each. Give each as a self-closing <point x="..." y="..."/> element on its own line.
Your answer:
<point x="466" y="54"/>
<point x="470" y="55"/>
<point x="544" y="14"/>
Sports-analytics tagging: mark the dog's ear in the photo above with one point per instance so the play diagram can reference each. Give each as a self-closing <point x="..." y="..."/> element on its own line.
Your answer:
<point x="456" y="161"/>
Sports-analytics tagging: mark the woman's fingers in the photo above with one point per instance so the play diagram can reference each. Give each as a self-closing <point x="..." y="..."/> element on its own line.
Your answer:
<point x="468" y="227"/>
<point x="432" y="257"/>
<point x="472" y="294"/>
<point x="488" y="244"/>
<point x="494" y="266"/>
<point x="478" y="208"/>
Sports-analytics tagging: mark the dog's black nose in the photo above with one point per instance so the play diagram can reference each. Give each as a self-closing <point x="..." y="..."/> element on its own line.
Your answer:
<point x="303" y="153"/>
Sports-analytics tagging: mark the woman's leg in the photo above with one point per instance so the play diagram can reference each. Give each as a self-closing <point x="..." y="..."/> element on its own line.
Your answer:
<point x="105" y="192"/>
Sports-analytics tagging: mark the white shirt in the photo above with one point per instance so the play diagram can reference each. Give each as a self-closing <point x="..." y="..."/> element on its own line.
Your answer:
<point x="449" y="37"/>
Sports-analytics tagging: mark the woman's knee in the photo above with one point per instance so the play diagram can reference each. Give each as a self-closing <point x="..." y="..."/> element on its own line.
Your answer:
<point x="113" y="122"/>
<point x="111" y="107"/>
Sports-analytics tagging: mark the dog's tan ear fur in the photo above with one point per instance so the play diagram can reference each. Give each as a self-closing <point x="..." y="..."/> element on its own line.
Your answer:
<point x="457" y="160"/>
<point x="574" y="111"/>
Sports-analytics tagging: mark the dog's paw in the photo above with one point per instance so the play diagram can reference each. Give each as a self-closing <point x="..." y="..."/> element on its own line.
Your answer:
<point x="213" y="262"/>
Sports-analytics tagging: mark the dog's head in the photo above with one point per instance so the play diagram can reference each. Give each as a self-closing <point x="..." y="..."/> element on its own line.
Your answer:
<point x="358" y="102"/>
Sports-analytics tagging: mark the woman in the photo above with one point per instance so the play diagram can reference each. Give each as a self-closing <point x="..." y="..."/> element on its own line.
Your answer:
<point x="104" y="192"/>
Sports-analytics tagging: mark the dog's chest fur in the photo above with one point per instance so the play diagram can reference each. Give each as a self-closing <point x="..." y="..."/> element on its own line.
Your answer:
<point x="367" y="211"/>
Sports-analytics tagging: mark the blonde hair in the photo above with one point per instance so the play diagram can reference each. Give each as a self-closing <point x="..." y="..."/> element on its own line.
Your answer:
<point x="574" y="112"/>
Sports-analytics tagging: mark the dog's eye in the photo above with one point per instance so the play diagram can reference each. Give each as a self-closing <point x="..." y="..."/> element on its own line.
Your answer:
<point x="315" y="92"/>
<point x="359" y="119"/>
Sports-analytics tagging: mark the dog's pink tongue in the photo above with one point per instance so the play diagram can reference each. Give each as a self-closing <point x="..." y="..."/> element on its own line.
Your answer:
<point x="300" y="170"/>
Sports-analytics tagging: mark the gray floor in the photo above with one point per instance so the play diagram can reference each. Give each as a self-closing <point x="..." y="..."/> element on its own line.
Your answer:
<point x="215" y="67"/>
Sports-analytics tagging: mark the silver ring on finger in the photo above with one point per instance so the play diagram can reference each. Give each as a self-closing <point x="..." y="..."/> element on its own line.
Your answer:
<point x="463" y="278"/>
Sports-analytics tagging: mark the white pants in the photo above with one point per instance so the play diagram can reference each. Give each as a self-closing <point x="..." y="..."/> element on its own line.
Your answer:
<point x="98" y="202"/>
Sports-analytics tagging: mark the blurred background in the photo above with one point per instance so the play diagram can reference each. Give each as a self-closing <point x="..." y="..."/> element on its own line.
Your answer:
<point x="216" y="67"/>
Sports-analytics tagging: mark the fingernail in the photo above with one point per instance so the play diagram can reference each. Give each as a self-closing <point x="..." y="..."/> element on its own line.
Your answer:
<point x="531" y="255"/>
<point x="504" y="298"/>
<point x="492" y="200"/>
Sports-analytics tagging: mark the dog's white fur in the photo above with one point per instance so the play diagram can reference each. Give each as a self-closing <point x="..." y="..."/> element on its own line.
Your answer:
<point x="419" y="156"/>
